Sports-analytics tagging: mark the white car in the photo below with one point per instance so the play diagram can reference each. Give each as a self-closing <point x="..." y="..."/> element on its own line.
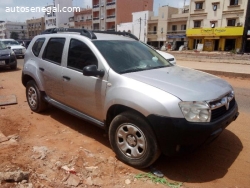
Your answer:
<point x="167" y="56"/>
<point x="15" y="46"/>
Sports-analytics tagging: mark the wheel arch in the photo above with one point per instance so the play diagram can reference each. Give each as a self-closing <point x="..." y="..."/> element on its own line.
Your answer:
<point x="116" y="109"/>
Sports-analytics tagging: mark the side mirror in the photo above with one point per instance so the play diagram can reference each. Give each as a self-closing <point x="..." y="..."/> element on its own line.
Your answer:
<point x="9" y="47"/>
<point x="91" y="70"/>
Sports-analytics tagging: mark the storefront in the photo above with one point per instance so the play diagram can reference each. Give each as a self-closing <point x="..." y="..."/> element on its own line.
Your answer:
<point x="176" y="41"/>
<point x="216" y="39"/>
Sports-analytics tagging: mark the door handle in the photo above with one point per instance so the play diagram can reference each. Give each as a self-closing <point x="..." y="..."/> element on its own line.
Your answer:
<point x="41" y="69"/>
<point x="66" y="77"/>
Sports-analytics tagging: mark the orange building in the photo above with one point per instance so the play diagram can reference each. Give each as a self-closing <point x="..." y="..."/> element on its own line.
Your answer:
<point x="83" y="19"/>
<point x="107" y="14"/>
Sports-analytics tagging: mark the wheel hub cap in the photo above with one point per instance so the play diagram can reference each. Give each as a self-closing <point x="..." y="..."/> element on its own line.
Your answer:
<point x="131" y="140"/>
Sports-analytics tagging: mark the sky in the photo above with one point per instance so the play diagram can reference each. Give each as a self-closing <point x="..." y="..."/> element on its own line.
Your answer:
<point x="5" y="5"/>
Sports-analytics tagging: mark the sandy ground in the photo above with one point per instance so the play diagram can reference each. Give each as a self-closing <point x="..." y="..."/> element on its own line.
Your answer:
<point x="46" y="144"/>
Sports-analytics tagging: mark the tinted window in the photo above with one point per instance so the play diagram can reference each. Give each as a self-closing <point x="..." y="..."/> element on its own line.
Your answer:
<point x="54" y="50"/>
<point x="80" y="55"/>
<point x="37" y="46"/>
<point x="130" y="56"/>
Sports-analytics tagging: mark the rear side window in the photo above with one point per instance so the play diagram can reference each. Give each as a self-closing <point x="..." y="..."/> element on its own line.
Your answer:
<point x="36" y="48"/>
<point x="80" y="55"/>
<point x="54" y="50"/>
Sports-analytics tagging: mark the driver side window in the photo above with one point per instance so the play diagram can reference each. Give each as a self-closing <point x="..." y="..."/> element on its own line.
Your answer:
<point x="80" y="55"/>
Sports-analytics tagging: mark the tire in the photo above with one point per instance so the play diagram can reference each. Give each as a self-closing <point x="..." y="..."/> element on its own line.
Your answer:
<point x="13" y="67"/>
<point x="35" y="97"/>
<point x="133" y="140"/>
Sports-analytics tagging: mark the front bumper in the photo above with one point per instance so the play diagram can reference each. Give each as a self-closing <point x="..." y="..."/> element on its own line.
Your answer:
<point x="177" y="136"/>
<point x="7" y="61"/>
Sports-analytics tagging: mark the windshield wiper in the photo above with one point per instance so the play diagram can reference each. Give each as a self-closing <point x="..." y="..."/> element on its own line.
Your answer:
<point x="131" y="70"/>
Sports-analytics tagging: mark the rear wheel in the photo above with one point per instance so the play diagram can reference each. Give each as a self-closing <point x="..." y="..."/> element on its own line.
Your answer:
<point x="133" y="140"/>
<point x="35" y="97"/>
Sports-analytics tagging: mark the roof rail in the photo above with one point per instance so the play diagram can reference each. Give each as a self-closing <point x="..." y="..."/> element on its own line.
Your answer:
<point x="88" y="33"/>
<point x="126" y="34"/>
<point x="84" y="32"/>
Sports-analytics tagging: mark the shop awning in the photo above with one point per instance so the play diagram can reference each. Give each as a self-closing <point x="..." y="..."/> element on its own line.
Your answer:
<point x="211" y="38"/>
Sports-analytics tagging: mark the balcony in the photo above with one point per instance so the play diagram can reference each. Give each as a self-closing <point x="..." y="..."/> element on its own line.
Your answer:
<point x="96" y="8"/>
<point x="110" y="18"/>
<point x="110" y="5"/>
<point x="176" y="32"/>
<point x="152" y="34"/>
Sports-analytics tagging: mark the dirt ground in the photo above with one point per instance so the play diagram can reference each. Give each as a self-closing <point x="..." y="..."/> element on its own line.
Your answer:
<point x="59" y="150"/>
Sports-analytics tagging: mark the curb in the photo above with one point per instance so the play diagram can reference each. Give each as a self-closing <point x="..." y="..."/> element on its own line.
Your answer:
<point x="228" y="74"/>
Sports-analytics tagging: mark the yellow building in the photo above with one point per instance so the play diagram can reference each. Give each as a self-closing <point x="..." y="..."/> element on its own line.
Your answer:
<point x="216" y="25"/>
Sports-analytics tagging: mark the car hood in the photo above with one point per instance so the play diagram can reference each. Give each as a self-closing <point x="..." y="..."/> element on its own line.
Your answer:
<point x="5" y="52"/>
<point x="184" y="83"/>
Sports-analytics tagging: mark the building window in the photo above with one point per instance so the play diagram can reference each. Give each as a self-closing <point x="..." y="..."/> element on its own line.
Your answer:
<point x="197" y="23"/>
<point x="183" y="27"/>
<point x="233" y="2"/>
<point x="198" y="5"/>
<point x="231" y="22"/>
<point x="174" y="27"/>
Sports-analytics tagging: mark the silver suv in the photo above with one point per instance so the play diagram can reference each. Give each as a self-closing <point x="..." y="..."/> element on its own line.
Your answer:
<point x="148" y="105"/>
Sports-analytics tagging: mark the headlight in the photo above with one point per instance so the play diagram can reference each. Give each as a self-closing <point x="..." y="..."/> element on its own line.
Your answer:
<point x="12" y="52"/>
<point x="196" y="111"/>
<point x="23" y="50"/>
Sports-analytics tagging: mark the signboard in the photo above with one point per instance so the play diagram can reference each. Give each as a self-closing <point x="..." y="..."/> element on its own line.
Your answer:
<point x="230" y="31"/>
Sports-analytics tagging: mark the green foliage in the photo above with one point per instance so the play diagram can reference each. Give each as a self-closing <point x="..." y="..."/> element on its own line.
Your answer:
<point x="155" y="179"/>
<point x="14" y="35"/>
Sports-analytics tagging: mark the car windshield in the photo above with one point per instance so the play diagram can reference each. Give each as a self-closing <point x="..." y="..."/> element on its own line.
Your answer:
<point x="2" y="46"/>
<point x="10" y="42"/>
<point x="130" y="56"/>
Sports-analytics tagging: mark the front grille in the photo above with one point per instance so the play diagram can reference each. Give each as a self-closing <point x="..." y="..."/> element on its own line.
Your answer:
<point x="219" y="112"/>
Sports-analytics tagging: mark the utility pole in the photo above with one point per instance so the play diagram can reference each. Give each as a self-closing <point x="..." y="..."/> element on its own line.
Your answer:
<point x="140" y="28"/>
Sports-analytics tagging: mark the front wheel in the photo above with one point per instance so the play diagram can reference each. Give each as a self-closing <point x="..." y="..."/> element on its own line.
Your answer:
<point x="133" y="140"/>
<point x="35" y="97"/>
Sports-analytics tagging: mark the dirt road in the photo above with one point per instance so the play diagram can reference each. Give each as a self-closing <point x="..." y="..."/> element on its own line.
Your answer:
<point x="45" y="145"/>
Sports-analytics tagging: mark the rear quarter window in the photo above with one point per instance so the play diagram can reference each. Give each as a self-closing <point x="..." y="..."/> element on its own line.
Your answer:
<point x="36" y="48"/>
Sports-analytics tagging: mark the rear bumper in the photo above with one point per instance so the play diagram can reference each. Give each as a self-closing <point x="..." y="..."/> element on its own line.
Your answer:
<point x="177" y="136"/>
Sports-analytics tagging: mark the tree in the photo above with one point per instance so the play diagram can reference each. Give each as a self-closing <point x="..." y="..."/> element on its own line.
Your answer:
<point x="14" y="35"/>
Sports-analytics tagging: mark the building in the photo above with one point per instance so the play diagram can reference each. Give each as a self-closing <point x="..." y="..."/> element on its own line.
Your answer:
<point x="107" y="14"/>
<point x="35" y="27"/>
<point x="168" y="27"/>
<point x="59" y="17"/>
<point x="176" y="28"/>
<point x="216" y="25"/>
<point x="50" y="18"/>
<point x="7" y="27"/>
<point x="246" y="34"/>
<point x="138" y="26"/>
<point x="83" y="19"/>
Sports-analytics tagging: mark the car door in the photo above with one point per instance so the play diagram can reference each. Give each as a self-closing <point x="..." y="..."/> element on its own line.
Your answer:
<point x="83" y="93"/>
<point x="51" y="69"/>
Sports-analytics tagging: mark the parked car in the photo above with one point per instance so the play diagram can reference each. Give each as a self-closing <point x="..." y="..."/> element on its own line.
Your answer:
<point x="15" y="46"/>
<point x="145" y="103"/>
<point x="7" y="57"/>
<point x="167" y="56"/>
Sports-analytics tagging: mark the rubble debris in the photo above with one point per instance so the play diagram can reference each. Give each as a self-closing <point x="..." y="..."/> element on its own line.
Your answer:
<point x="69" y="170"/>
<point x="127" y="181"/>
<point x="40" y="152"/>
<point x="73" y="180"/>
<point x="16" y="176"/>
